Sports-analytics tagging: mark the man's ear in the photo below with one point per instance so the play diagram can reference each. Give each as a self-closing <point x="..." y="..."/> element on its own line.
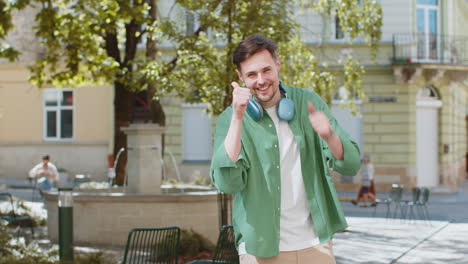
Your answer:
<point x="239" y="74"/>
<point x="278" y="63"/>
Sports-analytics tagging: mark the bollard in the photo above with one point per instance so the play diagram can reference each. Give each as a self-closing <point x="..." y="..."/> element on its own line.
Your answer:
<point x="65" y="224"/>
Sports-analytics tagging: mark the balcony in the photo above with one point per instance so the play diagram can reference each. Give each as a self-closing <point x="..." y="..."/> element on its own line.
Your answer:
<point x="430" y="49"/>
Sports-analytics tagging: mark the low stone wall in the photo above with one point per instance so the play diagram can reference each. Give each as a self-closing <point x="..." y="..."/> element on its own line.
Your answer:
<point x="105" y="219"/>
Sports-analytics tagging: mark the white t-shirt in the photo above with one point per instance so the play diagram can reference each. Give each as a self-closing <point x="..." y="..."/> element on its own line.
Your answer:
<point x="367" y="174"/>
<point x="50" y="171"/>
<point x="296" y="227"/>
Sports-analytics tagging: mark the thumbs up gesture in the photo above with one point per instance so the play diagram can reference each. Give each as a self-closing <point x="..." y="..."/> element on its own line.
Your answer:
<point x="240" y="99"/>
<point x="320" y="123"/>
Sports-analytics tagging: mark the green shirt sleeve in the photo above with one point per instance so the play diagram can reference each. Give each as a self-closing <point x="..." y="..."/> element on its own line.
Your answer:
<point x="227" y="176"/>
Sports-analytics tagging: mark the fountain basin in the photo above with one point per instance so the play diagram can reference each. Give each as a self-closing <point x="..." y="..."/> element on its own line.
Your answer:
<point x="105" y="218"/>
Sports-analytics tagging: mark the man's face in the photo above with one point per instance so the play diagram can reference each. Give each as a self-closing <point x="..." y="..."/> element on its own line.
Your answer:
<point x="260" y="73"/>
<point x="45" y="163"/>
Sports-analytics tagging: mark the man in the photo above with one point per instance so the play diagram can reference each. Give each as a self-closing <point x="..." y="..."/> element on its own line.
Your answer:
<point x="286" y="209"/>
<point x="45" y="172"/>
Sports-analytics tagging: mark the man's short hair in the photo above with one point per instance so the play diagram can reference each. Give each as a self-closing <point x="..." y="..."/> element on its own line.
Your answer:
<point x="45" y="157"/>
<point x="252" y="45"/>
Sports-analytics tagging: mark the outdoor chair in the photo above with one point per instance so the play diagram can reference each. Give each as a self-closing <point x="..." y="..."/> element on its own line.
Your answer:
<point x="225" y="251"/>
<point x="421" y="204"/>
<point x="12" y="217"/>
<point x="409" y="204"/>
<point x="152" y="245"/>
<point x="394" y="197"/>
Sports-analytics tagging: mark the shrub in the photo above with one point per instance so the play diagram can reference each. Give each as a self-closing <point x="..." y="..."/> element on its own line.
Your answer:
<point x="192" y="243"/>
<point x="16" y="251"/>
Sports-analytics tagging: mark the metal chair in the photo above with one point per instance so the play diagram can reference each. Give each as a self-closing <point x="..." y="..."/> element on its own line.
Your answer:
<point x="225" y="251"/>
<point x="12" y="217"/>
<point x="421" y="204"/>
<point x="405" y="204"/>
<point x="394" y="197"/>
<point x="152" y="245"/>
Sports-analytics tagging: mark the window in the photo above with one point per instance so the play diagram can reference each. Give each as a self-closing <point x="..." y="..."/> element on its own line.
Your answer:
<point x="339" y="34"/>
<point x="190" y="22"/>
<point x="193" y="23"/>
<point x="196" y="134"/>
<point x="58" y="114"/>
<point x="427" y="25"/>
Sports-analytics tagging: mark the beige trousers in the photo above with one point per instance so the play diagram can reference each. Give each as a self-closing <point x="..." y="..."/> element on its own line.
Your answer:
<point x="320" y="254"/>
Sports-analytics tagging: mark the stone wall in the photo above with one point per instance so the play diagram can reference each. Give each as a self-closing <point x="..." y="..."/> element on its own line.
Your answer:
<point x="106" y="219"/>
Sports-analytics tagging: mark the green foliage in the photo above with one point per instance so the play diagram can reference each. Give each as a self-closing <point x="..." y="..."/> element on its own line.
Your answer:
<point x="95" y="41"/>
<point x="358" y="18"/>
<point x="6" y="9"/>
<point x="16" y="251"/>
<point x="301" y="69"/>
<point x="204" y="74"/>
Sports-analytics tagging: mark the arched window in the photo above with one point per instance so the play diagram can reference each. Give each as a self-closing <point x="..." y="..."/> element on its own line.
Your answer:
<point x="428" y="93"/>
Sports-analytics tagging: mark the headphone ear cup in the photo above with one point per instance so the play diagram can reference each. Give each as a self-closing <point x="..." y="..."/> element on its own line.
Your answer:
<point x="255" y="110"/>
<point x="285" y="109"/>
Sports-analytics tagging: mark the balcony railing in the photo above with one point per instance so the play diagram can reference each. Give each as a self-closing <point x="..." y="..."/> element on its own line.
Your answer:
<point x="430" y="48"/>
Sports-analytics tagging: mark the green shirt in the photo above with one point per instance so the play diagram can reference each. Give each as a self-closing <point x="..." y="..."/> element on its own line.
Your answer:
<point x="255" y="176"/>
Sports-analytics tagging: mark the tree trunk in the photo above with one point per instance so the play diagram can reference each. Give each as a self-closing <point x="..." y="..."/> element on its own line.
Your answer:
<point x="123" y="107"/>
<point x="157" y="111"/>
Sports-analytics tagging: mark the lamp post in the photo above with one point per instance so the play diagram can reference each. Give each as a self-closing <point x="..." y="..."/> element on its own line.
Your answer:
<point x="65" y="221"/>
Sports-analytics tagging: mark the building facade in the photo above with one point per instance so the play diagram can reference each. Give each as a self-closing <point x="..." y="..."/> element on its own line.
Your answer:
<point x="412" y="121"/>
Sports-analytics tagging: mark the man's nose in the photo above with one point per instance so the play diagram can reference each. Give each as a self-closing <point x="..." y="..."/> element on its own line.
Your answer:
<point x="260" y="79"/>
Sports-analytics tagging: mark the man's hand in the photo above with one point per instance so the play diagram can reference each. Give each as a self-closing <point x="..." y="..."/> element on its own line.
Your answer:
<point x="320" y="123"/>
<point x="232" y="142"/>
<point x="240" y="99"/>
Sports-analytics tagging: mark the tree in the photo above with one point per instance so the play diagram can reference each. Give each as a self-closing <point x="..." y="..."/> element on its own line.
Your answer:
<point x="232" y="21"/>
<point x="6" y="11"/>
<point x="96" y="41"/>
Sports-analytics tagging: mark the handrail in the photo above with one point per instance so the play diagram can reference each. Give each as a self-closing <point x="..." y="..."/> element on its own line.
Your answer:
<point x="430" y="49"/>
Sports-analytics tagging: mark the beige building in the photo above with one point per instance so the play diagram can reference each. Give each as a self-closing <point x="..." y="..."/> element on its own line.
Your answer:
<point x="411" y="122"/>
<point x="71" y="125"/>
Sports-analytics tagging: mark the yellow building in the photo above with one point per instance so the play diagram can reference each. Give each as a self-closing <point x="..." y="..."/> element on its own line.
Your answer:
<point x="72" y="125"/>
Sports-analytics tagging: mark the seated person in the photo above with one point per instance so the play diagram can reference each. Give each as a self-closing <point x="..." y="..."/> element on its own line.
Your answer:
<point x="46" y="174"/>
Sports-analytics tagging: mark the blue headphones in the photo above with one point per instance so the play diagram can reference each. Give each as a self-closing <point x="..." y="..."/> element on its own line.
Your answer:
<point x="284" y="108"/>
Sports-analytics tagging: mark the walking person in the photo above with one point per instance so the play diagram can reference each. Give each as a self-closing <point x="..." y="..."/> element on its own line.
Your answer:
<point x="365" y="192"/>
<point x="276" y="159"/>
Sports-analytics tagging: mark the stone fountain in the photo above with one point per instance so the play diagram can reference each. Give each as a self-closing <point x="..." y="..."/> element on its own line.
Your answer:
<point x="105" y="218"/>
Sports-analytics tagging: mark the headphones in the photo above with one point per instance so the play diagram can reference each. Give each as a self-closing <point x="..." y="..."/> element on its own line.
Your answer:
<point x="284" y="108"/>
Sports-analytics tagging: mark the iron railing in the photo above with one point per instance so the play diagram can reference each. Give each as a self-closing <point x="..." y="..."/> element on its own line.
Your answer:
<point x="430" y="48"/>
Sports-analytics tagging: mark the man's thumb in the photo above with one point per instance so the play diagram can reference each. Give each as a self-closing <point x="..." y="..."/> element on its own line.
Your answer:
<point x="235" y="85"/>
<point x="311" y="107"/>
